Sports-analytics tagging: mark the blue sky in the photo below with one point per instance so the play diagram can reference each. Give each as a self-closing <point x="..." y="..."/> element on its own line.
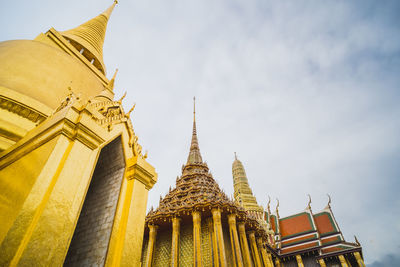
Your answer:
<point x="306" y="92"/>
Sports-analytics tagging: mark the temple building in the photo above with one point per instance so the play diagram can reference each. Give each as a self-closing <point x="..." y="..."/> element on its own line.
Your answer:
<point x="196" y="224"/>
<point x="302" y="239"/>
<point x="73" y="179"/>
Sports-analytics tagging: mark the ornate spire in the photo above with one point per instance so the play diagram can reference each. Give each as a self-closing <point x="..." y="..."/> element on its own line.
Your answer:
<point x="90" y="35"/>
<point x="242" y="191"/>
<point x="194" y="154"/>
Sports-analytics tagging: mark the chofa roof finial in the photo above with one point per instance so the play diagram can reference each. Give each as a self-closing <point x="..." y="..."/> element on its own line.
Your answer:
<point x="309" y="202"/>
<point x="328" y="206"/>
<point x="277" y="206"/>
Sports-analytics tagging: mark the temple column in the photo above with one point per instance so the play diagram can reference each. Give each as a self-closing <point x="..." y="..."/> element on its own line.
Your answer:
<point x="277" y="263"/>
<point x="263" y="251"/>
<point x="359" y="259"/>
<point x="219" y="237"/>
<point x="299" y="261"/>
<point x="176" y="222"/>
<point x="343" y="261"/>
<point x="256" y="255"/>
<point x="322" y="262"/>
<point x="237" y="255"/>
<point x="271" y="262"/>
<point x="151" y="245"/>
<point x="244" y="244"/>
<point x="214" y="250"/>
<point x="196" y="238"/>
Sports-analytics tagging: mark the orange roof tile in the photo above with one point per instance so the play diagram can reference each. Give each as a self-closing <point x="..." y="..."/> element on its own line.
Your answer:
<point x="299" y="240"/>
<point x="329" y="240"/>
<point x="297" y="224"/>
<point x="325" y="224"/>
<point x="298" y="248"/>
<point x="273" y="222"/>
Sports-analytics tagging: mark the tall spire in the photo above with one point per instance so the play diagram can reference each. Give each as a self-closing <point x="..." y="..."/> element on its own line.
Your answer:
<point x="90" y="35"/>
<point x="242" y="191"/>
<point x="194" y="154"/>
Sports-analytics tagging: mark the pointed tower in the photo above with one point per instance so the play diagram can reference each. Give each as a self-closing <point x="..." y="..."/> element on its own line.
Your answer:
<point x="203" y="221"/>
<point x="88" y="38"/>
<point x="242" y="191"/>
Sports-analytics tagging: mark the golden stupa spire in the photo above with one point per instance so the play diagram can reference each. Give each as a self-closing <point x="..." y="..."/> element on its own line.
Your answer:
<point x="90" y="35"/>
<point x="194" y="154"/>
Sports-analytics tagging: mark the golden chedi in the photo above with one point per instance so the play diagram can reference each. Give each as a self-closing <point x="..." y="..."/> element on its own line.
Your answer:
<point x="245" y="198"/>
<point x="73" y="179"/>
<point x="196" y="224"/>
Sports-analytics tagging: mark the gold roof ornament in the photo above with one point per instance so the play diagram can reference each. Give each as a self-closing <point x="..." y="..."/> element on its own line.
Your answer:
<point x="194" y="154"/>
<point x="90" y="36"/>
<point x="112" y="81"/>
<point x="328" y="206"/>
<point x="276" y="209"/>
<point x="268" y="205"/>
<point x="309" y="202"/>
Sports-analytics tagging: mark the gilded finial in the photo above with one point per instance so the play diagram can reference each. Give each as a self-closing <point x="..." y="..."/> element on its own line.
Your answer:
<point x="111" y="83"/>
<point x="358" y="243"/>
<point x="309" y="202"/>
<point x="235" y="156"/>
<point x="276" y="209"/>
<point x="128" y="114"/>
<point x="122" y="98"/>
<point x="194" y="108"/>
<point x="329" y="201"/>
<point x="268" y="205"/>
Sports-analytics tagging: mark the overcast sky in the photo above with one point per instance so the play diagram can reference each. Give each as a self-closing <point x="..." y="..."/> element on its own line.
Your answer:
<point x="306" y="92"/>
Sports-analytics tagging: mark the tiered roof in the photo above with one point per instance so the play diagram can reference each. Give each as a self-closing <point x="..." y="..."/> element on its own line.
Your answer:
<point x="306" y="231"/>
<point x="195" y="189"/>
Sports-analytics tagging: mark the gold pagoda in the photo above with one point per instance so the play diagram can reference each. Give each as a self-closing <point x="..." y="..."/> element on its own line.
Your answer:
<point x="73" y="179"/>
<point x="196" y="224"/>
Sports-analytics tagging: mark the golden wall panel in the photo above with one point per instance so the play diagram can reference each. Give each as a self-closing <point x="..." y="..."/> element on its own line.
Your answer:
<point x="15" y="187"/>
<point x="227" y="242"/>
<point x="186" y="245"/>
<point x="162" y="251"/>
<point x="144" y="251"/>
<point x="206" y="244"/>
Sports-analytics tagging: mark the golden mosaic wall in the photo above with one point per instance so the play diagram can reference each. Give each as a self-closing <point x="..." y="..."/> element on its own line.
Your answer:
<point x="227" y="241"/>
<point x="206" y="244"/>
<point x="144" y="250"/>
<point x="162" y="252"/>
<point x="186" y="245"/>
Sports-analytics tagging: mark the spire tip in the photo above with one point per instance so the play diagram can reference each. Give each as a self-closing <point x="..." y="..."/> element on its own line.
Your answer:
<point x="194" y="108"/>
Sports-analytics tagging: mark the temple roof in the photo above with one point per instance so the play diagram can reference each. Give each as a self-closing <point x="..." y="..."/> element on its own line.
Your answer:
<point x="195" y="189"/>
<point x="306" y="231"/>
<point x="90" y="36"/>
